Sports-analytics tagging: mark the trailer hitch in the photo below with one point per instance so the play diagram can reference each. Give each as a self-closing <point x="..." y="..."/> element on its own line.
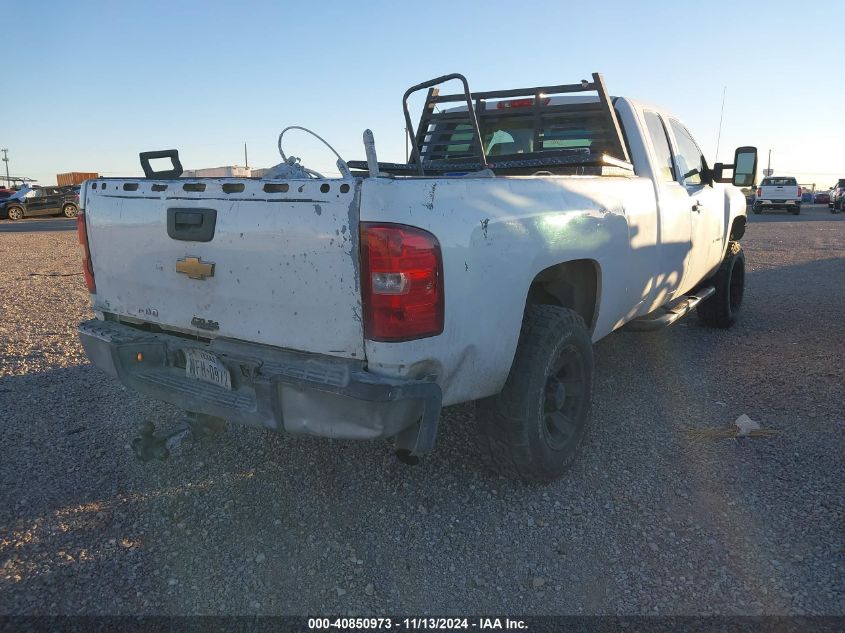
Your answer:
<point x="148" y="446"/>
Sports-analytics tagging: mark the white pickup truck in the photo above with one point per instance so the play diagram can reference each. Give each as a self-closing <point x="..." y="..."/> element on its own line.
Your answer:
<point x="527" y="225"/>
<point x="778" y="192"/>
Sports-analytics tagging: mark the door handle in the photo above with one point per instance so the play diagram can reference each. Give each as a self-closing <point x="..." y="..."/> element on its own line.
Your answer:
<point x="191" y="225"/>
<point x="697" y="206"/>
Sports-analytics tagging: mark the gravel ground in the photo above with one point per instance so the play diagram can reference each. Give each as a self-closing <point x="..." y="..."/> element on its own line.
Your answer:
<point x="649" y="521"/>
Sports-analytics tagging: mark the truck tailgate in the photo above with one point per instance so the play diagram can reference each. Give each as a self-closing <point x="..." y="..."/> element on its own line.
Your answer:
<point x="779" y="192"/>
<point x="279" y="267"/>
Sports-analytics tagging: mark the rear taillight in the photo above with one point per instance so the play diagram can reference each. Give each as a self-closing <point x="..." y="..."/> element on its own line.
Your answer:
<point x="800" y="193"/>
<point x="759" y="192"/>
<point x="87" y="266"/>
<point x="401" y="282"/>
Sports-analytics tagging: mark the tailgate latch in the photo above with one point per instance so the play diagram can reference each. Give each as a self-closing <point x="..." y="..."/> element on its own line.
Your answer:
<point x="191" y="225"/>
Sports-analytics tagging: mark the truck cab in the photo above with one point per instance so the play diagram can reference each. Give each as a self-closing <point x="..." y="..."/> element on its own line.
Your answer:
<point x="693" y="230"/>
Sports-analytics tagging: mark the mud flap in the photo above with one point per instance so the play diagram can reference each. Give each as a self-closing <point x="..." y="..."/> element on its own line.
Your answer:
<point x="419" y="438"/>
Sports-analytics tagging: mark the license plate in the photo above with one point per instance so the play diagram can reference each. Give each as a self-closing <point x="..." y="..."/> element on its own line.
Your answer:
<point x="204" y="366"/>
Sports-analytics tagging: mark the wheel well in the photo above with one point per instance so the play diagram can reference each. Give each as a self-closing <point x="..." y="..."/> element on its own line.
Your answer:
<point x="738" y="227"/>
<point x="571" y="285"/>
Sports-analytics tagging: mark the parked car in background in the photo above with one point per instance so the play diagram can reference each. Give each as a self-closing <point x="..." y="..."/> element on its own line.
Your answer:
<point x="836" y="194"/>
<point x="74" y="189"/>
<point x="41" y="201"/>
<point x="822" y="197"/>
<point x="778" y="192"/>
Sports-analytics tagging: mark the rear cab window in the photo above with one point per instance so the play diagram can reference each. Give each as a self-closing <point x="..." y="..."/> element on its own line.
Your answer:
<point x="513" y="130"/>
<point x="779" y="182"/>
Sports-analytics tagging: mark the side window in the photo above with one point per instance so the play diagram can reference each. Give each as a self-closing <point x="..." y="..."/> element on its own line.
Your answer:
<point x="662" y="152"/>
<point x="690" y="160"/>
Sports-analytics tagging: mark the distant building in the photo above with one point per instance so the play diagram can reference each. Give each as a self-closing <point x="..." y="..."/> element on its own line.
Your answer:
<point x="75" y="178"/>
<point x="231" y="171"/>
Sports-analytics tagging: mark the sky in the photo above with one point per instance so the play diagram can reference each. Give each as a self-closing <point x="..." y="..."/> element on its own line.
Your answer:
<point x="88" y="85"/>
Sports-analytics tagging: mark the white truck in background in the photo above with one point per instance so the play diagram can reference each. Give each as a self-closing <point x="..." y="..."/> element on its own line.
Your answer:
<point x="527" y="225"/>
<point x="778" y="192"/>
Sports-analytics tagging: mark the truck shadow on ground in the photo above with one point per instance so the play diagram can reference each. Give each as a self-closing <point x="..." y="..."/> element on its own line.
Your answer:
<point x="300" y="523"/>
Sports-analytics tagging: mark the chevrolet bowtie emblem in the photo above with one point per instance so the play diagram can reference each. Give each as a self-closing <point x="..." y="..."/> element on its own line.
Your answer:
<point x="195" y="268"/>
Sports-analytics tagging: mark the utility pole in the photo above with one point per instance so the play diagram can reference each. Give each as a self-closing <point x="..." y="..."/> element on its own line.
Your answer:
<point x="246" y="160"/>
<point x="6" y="160"/>
<point x="769" y="166"/>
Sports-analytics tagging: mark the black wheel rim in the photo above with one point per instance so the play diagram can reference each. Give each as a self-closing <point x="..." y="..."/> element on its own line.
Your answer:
<point x="737" y="285"/>
<point x="563" y="399"/>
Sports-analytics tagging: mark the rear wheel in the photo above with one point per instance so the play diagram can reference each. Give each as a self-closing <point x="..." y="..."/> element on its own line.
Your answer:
<point x="722" y="308"/>
<point x="69" y="210"/>
<point x="796" y="210"/>
<point x="756" y="208"/>
<point x="533" y="428"/>
<point x="15" y="213"/>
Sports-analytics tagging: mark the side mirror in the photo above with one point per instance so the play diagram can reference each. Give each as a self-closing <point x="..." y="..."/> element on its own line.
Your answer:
<point x="744" y="168"/>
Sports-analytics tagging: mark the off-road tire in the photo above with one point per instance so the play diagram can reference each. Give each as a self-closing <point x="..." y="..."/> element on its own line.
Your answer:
<point x="722" y="308"/>
<point x="14" y="213"/>
<point x="70" y="210"/>
<point x="518" y="436"/>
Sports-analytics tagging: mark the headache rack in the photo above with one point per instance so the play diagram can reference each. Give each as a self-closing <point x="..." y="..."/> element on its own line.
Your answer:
<point x="452" y="142"/>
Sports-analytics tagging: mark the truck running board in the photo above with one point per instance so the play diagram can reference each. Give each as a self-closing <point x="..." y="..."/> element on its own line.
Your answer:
<point x="667" y="315"/>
